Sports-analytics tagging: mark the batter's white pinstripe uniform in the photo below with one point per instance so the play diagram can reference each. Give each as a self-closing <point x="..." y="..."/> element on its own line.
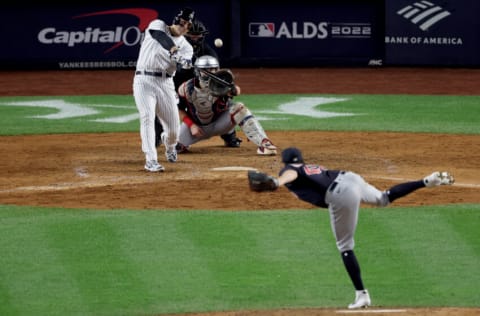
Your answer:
<point x="154" y="91"/>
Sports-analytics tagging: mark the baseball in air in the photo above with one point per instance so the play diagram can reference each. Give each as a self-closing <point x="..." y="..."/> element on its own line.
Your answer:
<point x="218" y="42"/>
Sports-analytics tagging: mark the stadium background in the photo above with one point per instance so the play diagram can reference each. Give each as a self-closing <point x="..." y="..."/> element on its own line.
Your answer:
<point x="391" y="55"/>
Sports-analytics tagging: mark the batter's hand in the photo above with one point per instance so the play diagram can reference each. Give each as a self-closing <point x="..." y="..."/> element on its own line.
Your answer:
<point x="173" y="50"/>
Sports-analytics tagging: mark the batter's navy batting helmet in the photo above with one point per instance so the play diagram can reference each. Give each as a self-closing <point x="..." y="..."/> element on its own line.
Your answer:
<point x="292" y="155"/>
<point x="186" y="14"/>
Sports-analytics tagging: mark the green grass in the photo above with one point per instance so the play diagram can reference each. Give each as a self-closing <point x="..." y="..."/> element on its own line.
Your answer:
<point x="402" y="113"/>
<point x="398" y="113"/>
<point x="127" y="262"/>
<point x="122" y="262"/>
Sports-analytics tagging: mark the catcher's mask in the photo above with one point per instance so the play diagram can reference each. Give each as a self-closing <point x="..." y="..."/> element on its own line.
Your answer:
<point x="222" y="84"/>
<point x="292" y="155"/>
<point x="206" y="62"/>
<point x="186" y="14"/>
<point x="196" y="34"/>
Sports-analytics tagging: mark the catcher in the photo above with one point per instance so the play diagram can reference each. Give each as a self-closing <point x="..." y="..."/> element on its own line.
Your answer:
<point x="341" y="192"/>
<point x="207" y="108"/>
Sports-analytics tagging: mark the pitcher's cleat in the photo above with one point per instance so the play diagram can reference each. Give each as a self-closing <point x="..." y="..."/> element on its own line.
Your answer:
<point x="362" y="300"/>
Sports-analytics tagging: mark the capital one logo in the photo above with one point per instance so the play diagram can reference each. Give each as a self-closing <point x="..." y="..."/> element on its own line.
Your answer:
<point x="424" y="14"/>
<point x="117" y="36"/>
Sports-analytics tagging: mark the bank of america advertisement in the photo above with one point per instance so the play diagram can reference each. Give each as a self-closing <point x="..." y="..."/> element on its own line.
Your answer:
<point x="313" y="33"/>
<point x="254" y="32"/>
<point x="432" y="32"/>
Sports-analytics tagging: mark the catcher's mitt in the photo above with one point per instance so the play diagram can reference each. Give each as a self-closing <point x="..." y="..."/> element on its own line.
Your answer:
<point x="222" y="82"/>
<point x="259" y="181"/>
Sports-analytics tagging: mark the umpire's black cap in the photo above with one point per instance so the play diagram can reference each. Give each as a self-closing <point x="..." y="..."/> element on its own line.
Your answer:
<point x="292" y="155"/>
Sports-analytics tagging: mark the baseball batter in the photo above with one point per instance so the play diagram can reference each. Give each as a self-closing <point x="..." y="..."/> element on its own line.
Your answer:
<point x="341" y="192"/>
<point x="205" y="113"/>
<point x="163" y="49"/>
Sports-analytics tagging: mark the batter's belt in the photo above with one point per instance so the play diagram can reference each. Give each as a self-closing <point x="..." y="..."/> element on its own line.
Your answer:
<point x="152" y="73"/>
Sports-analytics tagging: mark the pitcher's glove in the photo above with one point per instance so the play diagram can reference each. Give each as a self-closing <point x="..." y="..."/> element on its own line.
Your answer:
<point x="259" y="181"/>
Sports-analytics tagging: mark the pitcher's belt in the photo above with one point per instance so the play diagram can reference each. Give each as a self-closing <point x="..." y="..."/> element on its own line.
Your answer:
<point x="334" y="183"/>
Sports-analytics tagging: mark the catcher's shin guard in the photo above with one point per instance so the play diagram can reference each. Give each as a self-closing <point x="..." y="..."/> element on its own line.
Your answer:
<point x="242" y="116"/>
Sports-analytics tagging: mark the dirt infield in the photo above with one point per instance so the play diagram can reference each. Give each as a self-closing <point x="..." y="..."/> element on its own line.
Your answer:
<point x="105" y="171"/>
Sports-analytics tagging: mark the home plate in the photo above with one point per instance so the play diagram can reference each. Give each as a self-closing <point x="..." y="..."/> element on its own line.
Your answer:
<point x="233" y="168"/>
<point x="370" y="311"/>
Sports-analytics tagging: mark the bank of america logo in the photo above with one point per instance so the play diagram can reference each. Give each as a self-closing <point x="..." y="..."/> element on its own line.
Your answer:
<point x="423" y="13"/>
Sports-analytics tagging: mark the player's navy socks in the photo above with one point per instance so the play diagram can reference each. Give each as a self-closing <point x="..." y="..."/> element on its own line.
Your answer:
<point x="353" y="269"/>
<point x="403" y="189"/>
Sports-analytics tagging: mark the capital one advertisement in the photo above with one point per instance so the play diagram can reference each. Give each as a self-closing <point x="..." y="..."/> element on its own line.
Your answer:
<point x="305" y="32"/>
<point x="89" y="36"/>
<point x="433" y="32"/>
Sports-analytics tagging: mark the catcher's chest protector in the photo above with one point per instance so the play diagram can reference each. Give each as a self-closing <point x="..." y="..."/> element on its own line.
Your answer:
<point x="203" y="103"/>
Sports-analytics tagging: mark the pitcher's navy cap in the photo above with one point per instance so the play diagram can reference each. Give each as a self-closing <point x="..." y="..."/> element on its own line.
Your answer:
<point x="292" y="155"/>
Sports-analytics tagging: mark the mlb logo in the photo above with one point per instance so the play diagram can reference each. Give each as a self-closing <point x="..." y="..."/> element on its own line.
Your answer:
<point x="261" y="29"/>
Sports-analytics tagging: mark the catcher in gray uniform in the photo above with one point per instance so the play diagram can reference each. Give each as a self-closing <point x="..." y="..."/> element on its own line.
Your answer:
<point x="341" y="192"/>
<point x="207" y="108"/>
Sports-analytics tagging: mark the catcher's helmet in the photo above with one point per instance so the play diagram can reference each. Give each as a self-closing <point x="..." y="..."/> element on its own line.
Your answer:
<point x="206" y="62"/>
<point x="186" y="14"/>
<point x="292" y="155"/>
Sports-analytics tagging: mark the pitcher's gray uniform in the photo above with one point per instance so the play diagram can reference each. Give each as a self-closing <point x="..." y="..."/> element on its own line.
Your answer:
<point x="342" y="192"/>
<point x="153" y="86"/>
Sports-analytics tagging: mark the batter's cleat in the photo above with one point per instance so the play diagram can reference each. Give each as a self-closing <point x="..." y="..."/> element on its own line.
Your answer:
<point x="154" y="166"/>
<point x="267" y="148"/>
<point x="231" y="140"/>
<point x="438" y="178"/>
<point x="171" y="155"/>
<point x="362" y="300"/>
